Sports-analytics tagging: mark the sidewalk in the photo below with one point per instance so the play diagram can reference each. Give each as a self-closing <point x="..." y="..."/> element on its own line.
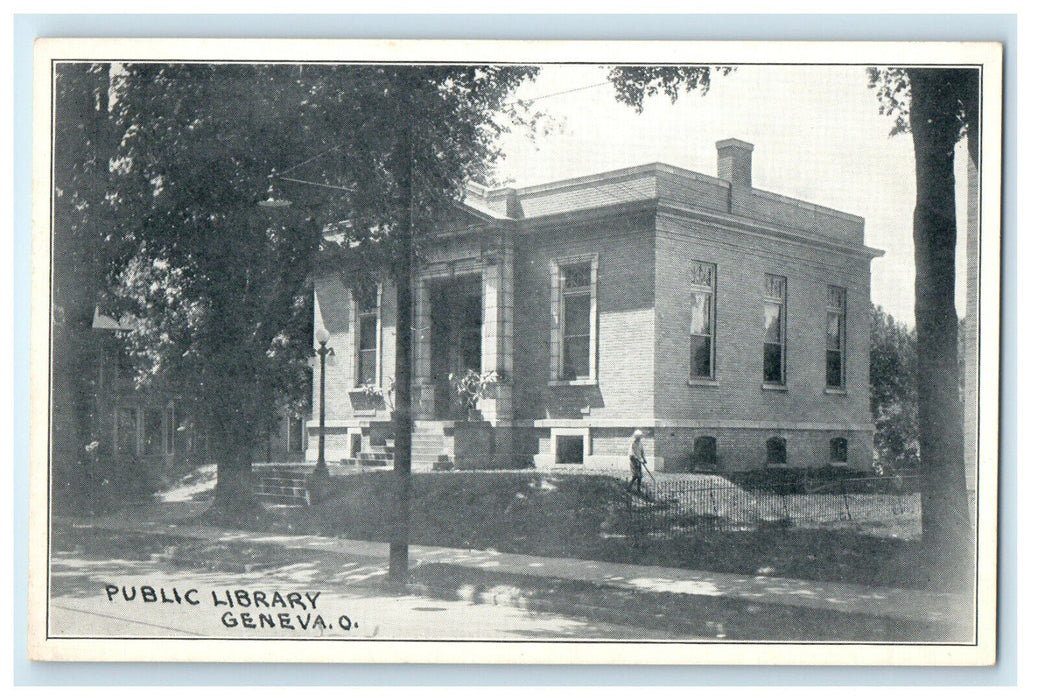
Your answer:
<point x="914" y="606"/>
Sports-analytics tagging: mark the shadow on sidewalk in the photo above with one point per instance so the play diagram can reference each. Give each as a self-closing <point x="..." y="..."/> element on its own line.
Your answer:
<point x="690" y="616"/>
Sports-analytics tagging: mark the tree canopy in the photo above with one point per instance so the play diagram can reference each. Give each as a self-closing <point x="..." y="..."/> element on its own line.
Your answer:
<point x="217" y="289"/>
<point x="634" y="84"/>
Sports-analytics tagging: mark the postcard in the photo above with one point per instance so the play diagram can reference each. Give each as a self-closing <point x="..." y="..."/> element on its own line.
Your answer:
<point x="515" y="352"/>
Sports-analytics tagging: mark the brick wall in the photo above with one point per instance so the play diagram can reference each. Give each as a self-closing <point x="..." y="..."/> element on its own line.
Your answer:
<point x="737" y="396"/>
<point x="625" y="318"/>
<point x="741" y="449"/>
<point x="346" y="414"/>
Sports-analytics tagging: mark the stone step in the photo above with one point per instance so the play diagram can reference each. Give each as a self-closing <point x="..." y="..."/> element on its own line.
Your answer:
<point x="288" y="473"/>
<point x="275" y="490"/>
<point x="283" y="495"/>
<point x="282" y="484"/>
<point x="291" y="471"/>
<point x="426" y="454"/>
<point x="282" y="500"/>
<point x="275" y="481"/>
<point x="375" y="455"/>
<point x="428" y="440"/>
<point x="357" y="462"/>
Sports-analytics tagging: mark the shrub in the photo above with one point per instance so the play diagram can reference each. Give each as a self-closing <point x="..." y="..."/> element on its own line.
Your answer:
<point x="102" y="483"/>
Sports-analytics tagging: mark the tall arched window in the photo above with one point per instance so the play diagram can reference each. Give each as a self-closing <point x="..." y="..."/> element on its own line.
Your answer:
<point x="776" y="450"/>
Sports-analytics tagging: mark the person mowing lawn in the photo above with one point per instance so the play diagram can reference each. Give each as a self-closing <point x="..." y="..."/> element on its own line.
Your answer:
<point x="637" y="455"/>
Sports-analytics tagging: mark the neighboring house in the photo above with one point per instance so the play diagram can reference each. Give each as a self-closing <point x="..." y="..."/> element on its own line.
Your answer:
<point x="154" y="426"/>
<point x="150" y="426"/>
<point x="728" y="323"/>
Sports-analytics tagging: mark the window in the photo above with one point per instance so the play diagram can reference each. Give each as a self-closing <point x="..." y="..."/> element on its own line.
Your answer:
<point x="152" y="430"/>
<point x="775" y="330"/>
<point x="835" y="337"/>
<point x="569" y="449"/>
<point x="776" y="450"/>
<point x="123" y="364"/>
<point x="184" y="438"/>
<point x="838" y="451"/>
<point x="295" y="434"/>
<point x="576" y="314"/>
<point x="701" y="333"/>
<point x="169" y="432"/>
<point x="704" y="453"/>
<point x="367" y="335"/>
<point x="126" y="431"/>
<point x="574" y="342"/>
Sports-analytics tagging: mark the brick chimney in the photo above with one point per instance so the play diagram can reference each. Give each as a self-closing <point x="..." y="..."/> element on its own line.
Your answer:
<point x="735" y="164"/>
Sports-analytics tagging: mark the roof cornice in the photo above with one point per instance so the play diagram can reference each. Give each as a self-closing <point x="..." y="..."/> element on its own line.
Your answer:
<point x="745" y="225"/>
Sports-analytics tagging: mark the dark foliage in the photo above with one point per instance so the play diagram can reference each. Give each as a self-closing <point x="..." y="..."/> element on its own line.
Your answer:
<point x="894" y="393"/>
<point x="218" y="290"/>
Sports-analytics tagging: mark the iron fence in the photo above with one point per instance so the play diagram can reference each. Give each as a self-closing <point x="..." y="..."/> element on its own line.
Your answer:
<point x="675" y="506"/>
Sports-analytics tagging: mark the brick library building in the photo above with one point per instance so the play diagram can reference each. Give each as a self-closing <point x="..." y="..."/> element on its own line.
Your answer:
<point x="729" y="324"/>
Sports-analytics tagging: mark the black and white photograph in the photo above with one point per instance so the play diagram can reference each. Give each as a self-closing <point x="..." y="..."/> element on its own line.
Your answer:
<point x="515" y="352"/>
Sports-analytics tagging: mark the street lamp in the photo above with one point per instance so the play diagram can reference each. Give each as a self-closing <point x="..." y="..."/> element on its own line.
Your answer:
<point x="323" y="351"/>
<point x="272" y="201"/>
<point x="321" y="336"/>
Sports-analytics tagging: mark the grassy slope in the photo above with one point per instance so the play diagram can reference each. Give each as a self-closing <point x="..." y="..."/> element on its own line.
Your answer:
<point x="582" y="516"/>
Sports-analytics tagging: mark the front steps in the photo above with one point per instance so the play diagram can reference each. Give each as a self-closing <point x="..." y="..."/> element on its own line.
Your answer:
<point x="431" y="447"/>
<point x="282" y="484"/>
<point x="286" y="484"/>
<point x="375" y="457"/>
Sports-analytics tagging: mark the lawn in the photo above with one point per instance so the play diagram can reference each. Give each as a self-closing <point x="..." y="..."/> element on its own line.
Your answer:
<point x="588" y="517"/>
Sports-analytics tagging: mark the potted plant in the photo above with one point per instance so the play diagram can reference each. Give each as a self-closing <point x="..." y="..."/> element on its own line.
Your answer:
<point x="372" y="397"/>
<point x="471" y="387"/>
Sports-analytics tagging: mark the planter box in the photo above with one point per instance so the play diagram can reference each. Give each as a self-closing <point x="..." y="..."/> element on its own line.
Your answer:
<point x="473" y="445"/>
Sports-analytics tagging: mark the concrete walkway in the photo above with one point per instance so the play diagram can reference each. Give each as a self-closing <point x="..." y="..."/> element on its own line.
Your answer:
<point x="892" y="603"/>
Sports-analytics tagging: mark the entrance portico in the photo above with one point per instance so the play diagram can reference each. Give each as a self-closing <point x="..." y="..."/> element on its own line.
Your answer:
<point x="463" y="321"/>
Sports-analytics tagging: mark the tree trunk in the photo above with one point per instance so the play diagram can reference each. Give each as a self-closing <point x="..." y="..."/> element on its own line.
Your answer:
<point x="947" y="538"/>
<point x="402" y="427"/>
<point x="234" y="502"/>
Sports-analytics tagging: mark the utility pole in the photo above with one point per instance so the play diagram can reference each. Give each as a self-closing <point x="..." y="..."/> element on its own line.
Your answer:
<point x="403" y="424"/>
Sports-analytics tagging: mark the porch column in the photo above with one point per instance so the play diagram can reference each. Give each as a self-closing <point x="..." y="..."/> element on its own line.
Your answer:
<point x="422" y="403"/>
<point x="497" y="334"/>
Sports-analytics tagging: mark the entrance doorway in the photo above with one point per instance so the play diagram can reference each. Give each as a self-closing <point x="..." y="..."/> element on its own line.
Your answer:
<point x="456" y="308"/>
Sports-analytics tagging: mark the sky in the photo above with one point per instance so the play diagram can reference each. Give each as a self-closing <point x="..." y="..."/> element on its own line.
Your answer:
<point x="817" y="136"/>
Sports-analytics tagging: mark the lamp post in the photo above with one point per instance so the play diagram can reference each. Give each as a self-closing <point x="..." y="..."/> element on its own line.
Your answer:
<point x="323" y="351"/>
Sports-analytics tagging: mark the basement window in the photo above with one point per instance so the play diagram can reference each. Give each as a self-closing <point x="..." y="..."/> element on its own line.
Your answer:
<point x="776" y="451"/>
<point x="838" y="451"/>
<point x="569" y="449"/>
<point x="704" y="453"/>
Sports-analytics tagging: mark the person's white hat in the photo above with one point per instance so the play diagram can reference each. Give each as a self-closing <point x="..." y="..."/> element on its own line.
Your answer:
<point x="638" y="433"/>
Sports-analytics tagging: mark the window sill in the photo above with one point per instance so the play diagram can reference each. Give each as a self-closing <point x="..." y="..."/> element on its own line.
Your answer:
<point x="841" y="465"/>
<point x="703" y="381"/>
<point x="836" y="392"/>
<point x="774" y="387"/>
<point x="573" y="382"/>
